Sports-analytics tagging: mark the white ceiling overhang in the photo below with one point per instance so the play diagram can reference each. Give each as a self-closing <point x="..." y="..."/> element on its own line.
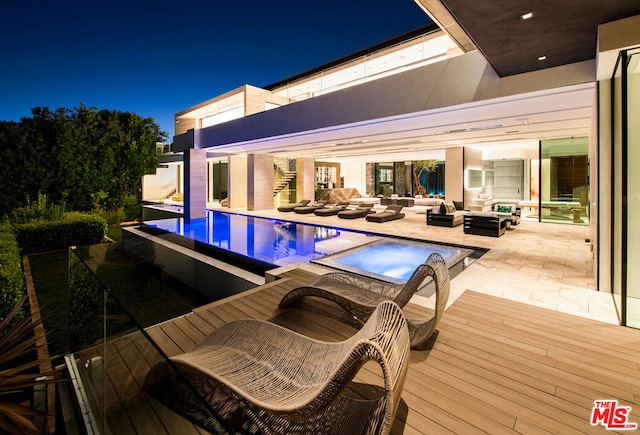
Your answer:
<point x="514" y="122"/>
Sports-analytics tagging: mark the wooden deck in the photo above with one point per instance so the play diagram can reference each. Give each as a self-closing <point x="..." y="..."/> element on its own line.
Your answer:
<point x="495" y="366"/>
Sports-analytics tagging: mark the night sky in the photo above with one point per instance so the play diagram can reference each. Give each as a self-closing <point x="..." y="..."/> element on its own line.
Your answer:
<point x="156" y="58"/>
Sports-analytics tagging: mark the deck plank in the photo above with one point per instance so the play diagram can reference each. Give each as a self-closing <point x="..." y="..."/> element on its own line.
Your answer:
<point x="494" y="366"/>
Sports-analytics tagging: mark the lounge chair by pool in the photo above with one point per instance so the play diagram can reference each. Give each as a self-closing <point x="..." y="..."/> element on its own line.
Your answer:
<point x="310" y="208"/>
<point x="262" y="378"/>
<point x="331" y="210"/>
<point x="360" y="295"/>
<point x="361" y="211"/>
<point x="290" y="207"/>
<point x="392" y="212"/>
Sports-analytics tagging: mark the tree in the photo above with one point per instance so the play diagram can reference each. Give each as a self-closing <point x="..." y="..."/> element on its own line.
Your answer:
<point x="85" y="158"/>
<point x="420" y="167"/>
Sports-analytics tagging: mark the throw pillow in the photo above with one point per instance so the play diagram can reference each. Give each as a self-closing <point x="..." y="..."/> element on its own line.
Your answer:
<point x="443" y="208"/>
<point x="458" y="205"/>
<point x="450" y="207"/>
<point x="504" y="209"/>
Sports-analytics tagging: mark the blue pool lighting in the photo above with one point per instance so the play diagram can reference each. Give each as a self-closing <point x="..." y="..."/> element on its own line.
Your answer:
<point x="392" y="260"/>
<point x="268" y="243"/>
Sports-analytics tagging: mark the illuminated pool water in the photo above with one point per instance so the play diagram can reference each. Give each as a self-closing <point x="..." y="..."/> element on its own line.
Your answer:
<point x="394" y="260"/>
<point x="268" y="243"/>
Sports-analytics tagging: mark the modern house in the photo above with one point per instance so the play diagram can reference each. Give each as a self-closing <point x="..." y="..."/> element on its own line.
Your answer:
<point x="522" y="104"/>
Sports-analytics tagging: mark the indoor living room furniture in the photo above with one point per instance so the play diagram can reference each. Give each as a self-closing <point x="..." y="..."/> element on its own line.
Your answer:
<point x="485" y="224"/>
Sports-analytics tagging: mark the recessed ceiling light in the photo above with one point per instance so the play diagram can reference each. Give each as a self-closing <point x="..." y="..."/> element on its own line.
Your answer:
<point x="542" y="58"/>
<point x="526" y="16"/>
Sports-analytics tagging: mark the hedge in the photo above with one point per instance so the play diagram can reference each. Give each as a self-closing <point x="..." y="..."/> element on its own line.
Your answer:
<point x="75" y="229"/>
<point x="12" y="287"/>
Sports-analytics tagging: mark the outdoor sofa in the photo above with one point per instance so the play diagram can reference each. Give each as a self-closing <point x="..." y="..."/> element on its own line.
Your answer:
<point x="446" y="215"/>
<point x="511" y="212"/>
<point x="485" y="223"/>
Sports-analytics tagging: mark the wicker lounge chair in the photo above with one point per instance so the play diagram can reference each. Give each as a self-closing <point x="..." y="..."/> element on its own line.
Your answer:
<point x="361" y="211"/>
<point x="268" y="379"/>
<point x="359" y="295"/>
<point x="307" y="209"/>
<point x="290" y="207"/>
<point x="331" y="210"/>
<point x="391" y="213"/>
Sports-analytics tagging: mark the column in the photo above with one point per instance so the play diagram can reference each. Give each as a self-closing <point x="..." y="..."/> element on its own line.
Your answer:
<point x="454" y="175"/>
<point x="237" y="182"/>
<point x="260" y="182"/>
<point x="305" y="179"/>
<point x="195" y="183"/>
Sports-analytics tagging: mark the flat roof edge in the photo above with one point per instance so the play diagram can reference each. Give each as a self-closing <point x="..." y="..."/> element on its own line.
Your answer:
<point x="429" y="28"/>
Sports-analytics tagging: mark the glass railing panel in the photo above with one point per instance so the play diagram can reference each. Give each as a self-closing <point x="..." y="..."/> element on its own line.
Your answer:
<point x="123" y="380"/>
<point x="139" y="274"/>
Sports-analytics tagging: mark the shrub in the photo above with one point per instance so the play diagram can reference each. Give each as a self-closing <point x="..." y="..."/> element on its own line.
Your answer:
<point x="132" y="207"/>
<point x="113" y="217"/>
<point x="12" y="286"/>
<point x="74" y="229"/>
<point x="85" y="307"/>
<point x="40" y="210"/>
<point x="133" y="212"/>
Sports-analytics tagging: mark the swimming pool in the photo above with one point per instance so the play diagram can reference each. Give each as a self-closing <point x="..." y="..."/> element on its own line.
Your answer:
<point x="270" y="241"/>
<point x="260" y="243"/>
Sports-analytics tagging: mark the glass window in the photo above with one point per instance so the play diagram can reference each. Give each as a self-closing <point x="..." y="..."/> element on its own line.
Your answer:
<point x="384" y="179"/>
<point x="633" y="189"/>
<point x="564" y="169"/>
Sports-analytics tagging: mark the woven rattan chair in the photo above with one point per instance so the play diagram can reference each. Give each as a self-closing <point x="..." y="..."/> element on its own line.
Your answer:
<point x="272" y="380"/>
<point x="360" y="295"/>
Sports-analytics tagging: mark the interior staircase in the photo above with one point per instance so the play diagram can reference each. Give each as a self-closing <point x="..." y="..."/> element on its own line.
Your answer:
<point x="283" y="174"/>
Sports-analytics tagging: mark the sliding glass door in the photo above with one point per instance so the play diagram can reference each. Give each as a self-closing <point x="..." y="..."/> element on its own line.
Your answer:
<point x="625" y="210"/>
<point x="217" y="173"/>
<point x="564" y="179"/>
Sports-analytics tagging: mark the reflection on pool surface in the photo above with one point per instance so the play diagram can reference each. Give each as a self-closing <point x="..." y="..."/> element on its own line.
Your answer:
<point x="271" y="241"/>
<point x="393" y="260"/>
<point x="278" y="243"/>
